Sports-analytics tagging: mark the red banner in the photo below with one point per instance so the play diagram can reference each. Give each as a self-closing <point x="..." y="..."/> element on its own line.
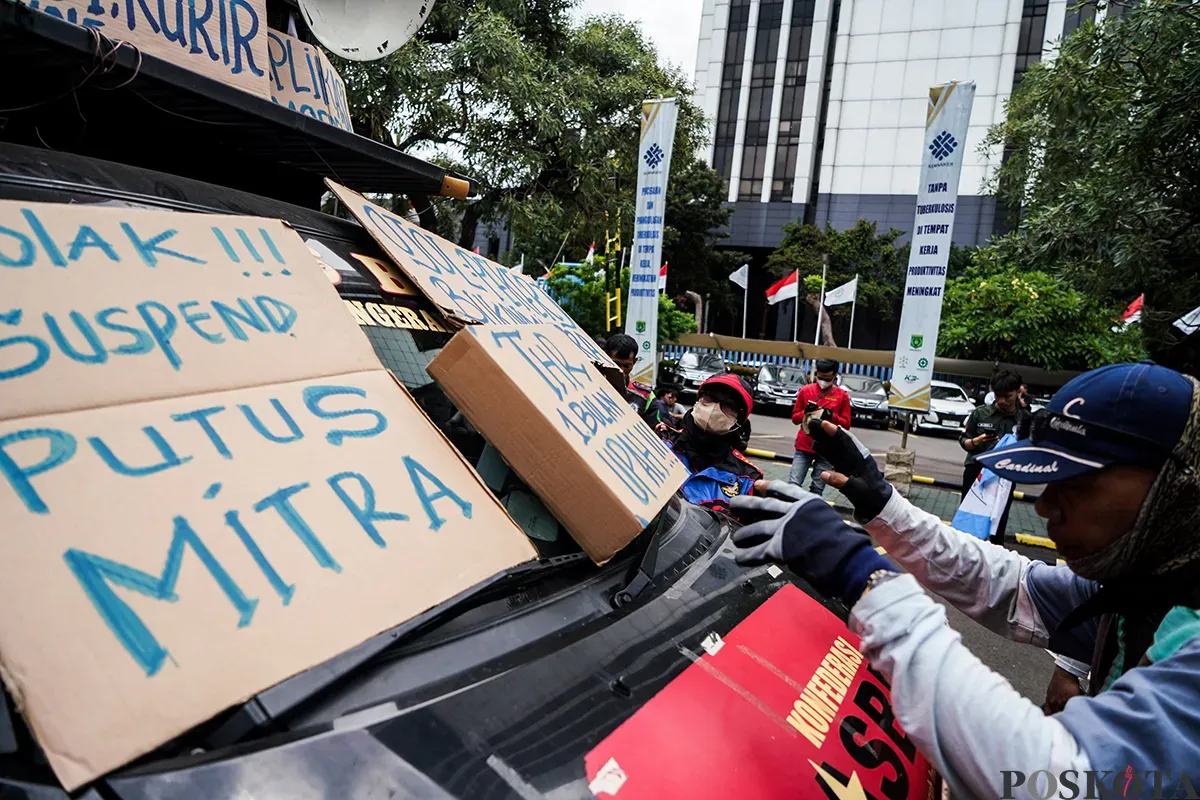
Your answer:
<point x="784" y="707"/>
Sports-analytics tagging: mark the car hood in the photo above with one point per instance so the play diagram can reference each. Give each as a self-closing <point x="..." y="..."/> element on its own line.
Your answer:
<point x="529" y="724"/>
<point x="872" y="396"/>
<point x="952" y="406"/>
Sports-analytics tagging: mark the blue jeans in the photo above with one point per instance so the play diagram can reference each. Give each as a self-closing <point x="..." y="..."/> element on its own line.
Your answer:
<point x="800" y="466"/>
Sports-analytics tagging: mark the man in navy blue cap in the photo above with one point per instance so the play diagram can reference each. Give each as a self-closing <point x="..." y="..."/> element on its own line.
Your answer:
<point x="1119" y="451"/>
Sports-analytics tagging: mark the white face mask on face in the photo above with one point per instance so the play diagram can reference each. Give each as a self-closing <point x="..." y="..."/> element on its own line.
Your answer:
<point x="712" y="418"/>
<point x="824" y="384"/>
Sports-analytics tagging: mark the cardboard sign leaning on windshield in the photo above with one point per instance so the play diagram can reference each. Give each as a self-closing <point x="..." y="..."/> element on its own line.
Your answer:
<point x="468" y="288"/>
<point x="567" y="432"/>
<point x="207" y="480"/>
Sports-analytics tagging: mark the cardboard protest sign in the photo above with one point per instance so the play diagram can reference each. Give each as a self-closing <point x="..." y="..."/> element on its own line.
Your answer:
<point x="468" y="288"/>
<point x="208" y="482"/>
<point x="221" y="39"/>
<point x="783" y="706"/>
<point x="563" y="428"/>
<point x="302" y="79"/>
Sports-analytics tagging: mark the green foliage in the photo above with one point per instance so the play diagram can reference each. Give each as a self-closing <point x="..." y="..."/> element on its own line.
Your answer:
<point x="695" y="209"/>
<point x="860" y="250"/>
<point x="542" y="111"/>
<point x="1005" y="313"/>
<point x="1102" y="149"/>
<point x="581" y="291"/>
<point x="673" y="322"/>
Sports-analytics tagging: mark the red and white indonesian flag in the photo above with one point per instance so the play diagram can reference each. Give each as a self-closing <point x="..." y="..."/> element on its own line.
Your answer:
<point x="1134" y="312"/>
<point x="590" y="258"/>
<point x="784" y="289"/>
<point x="662" y="278"/>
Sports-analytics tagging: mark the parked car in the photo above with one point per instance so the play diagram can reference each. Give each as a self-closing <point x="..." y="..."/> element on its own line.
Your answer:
<point x="777" y="387"/>
<point x="868" y="400"/>
<point x="429" y="708"/>
<point x="693" y="369"/>
<point x="949" y="408"/>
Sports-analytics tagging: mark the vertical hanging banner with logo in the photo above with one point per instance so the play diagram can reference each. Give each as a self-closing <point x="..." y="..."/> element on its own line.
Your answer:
<point x="945" y="147"/>
<point x="654" y="165"/>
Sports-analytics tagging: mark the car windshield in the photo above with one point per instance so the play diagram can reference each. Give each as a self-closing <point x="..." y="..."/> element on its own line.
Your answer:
<point x="784" y="375"/>
<point x="689" y="360"/>
<point x="949" y="393"/>
<point x="861" y="383"/>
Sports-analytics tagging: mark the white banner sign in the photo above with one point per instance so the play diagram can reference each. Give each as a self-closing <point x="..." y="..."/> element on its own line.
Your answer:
<point x="945" y="148"/>
<point x="654" y="165"/>
<point x="842" y="294"/>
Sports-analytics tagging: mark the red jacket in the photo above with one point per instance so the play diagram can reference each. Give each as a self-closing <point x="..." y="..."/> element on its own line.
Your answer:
<point x="836" y="400"/>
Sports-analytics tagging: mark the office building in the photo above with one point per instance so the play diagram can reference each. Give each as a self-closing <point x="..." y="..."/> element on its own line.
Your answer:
<point x="819" y="105"/>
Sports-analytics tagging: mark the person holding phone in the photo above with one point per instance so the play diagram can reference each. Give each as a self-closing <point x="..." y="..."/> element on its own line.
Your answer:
<point x="986" y="425"/>
<point x="825" y="399"/>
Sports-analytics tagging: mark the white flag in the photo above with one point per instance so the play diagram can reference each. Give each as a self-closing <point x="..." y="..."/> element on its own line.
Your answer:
<point x="1189" y="322"/>
<point x="842" y="294"/>
<point x="741" y="276"/>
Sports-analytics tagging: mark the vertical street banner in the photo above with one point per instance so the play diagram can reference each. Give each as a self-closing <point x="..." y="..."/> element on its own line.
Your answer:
<point x="945" y="147"/>
<point x="654" y="165"/>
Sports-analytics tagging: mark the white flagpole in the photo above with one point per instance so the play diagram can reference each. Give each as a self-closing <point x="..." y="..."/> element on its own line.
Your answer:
<point x="853" y="306"/>
<point x="820" y="305"/>
<point x="745" y="301"/>
<point x="796" y="309"/>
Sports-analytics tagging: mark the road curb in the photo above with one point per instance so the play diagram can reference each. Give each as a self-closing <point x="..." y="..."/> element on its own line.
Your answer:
<point x="936" y="482"/>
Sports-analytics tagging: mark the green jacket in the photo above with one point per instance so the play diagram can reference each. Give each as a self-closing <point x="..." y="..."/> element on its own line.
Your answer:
<point x="987" y="419"/>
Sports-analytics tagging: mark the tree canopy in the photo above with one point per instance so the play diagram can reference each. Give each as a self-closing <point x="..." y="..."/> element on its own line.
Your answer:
<point x="1000" y="312"/>
<point x="1102" y="156"/>
<point x="582" y="292"/>
<point x="860" y="250"/>
<point x="544" y="112"/>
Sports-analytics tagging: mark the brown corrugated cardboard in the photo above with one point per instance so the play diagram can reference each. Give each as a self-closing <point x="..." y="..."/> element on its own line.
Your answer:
<point x="468" y="288"/>
<point x="568" y="434"/>
<point x="302" y="79"/>
<point x="191" y="517"/>
<point x="226" y="41"/>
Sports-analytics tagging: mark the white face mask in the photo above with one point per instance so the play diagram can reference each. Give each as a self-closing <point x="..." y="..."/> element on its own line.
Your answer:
<point x="824" y="384"/>
<point x="712" y="418"/>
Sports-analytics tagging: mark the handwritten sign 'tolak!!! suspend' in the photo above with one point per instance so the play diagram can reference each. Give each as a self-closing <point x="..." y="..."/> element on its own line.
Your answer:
<point x="468" y="288"/>
<point x="208" y="482"/>
<point x="563" y="428"/>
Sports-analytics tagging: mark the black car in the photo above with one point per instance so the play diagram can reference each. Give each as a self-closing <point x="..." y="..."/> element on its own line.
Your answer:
<point x="500" y="691"/>
<point x="777" y="387"/>
<point x="868" y="400"/>
<point x="693" y="369"/>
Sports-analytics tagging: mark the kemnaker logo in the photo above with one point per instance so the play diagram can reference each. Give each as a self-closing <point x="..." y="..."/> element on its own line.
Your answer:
<point x="943" y="145"/>
<point x="654" y="156"/>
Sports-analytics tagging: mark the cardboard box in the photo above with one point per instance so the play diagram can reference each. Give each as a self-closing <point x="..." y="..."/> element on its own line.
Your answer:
<point x="302" y="79"/>
<point x="221" y="39"/>
<point x="467" y="288"/>
<point x="208" y="481"/>
<point x="556" y="420"/>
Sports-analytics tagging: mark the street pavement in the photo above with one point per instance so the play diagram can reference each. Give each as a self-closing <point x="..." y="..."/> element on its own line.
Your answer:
<point x="1027" y="668"/>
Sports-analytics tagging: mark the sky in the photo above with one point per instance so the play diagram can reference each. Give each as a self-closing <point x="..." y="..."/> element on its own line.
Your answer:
<point x="673" y="25"/>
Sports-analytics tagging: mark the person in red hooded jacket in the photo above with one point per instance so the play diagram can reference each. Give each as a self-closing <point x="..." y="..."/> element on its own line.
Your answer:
<point x="707" y="443"/>
<point x="826" y="394"/>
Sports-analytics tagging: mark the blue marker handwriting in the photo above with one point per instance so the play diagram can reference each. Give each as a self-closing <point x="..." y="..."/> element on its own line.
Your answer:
<point x="99" y="576"/>
<point x="230" y="26"/>
<point x="592" y="414"/>
<point x="30" y="244"/>
<point x="335" y="413"/>
<point x="140" y="329"/>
